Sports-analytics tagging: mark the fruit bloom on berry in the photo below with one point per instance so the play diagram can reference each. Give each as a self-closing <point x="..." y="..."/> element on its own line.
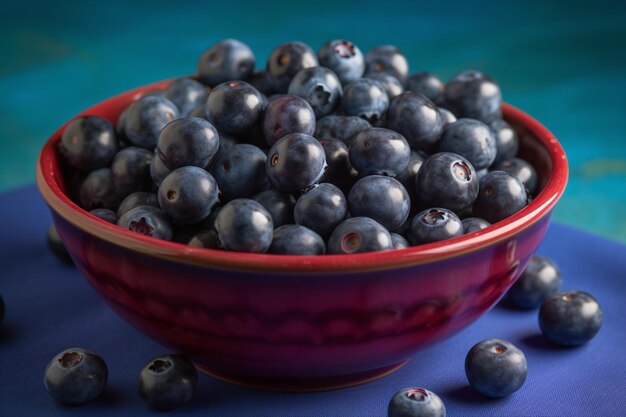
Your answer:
<point x="416" y="402"/>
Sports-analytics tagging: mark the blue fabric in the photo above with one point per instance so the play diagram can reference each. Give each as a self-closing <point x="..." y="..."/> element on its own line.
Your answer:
<point x="50" y="307"/>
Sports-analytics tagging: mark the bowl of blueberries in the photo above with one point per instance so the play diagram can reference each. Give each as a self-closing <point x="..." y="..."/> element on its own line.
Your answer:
<point x="309" y="225"/>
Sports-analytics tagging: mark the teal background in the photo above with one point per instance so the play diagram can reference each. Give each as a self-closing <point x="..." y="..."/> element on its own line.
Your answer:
<point x="563" y="62"/>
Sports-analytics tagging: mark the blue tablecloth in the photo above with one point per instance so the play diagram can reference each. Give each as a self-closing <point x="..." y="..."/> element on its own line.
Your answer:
<point x="50" y="307"/>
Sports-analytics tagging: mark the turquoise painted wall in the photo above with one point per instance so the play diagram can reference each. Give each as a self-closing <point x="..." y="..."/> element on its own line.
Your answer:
<point x="563" y="62"/>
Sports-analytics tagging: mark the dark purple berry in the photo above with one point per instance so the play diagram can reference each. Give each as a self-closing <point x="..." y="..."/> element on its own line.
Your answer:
<point x="168" y="382"/>
<point x="188" y="194"/>
<point x="416" y="117"/>
<point x="189" y="141"/>
<point x="76" y="376"/>
<point x="416" y="402"/>
<point x="540" y="279"/>
<point x="244" y="225"/>
<point x="145" y="118"/>
<point x="294" y="239"/>
<point x="227" y="60"/>
<point x="234" y="107"/>
<point x="357" y="235"/>
<point x="475" y="95"/>
<point x="496" y="368"/>
<point x="320" y="87"/>
<point x="570" y="318"/>
<point x="149" y="221"/>
<point x="295" y="163"/>
<point x="187" y="94"/>
<point x="287" y="114"/>
<point x="389" y="59"/>
<point x="500" y="196"/>
<point x="88" y="143"/>
<point x="344" y="58"/>
<point x="434" y="225"/>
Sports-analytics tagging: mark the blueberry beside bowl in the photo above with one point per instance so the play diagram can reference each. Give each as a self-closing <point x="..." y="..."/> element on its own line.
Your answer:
<point x="302" y="322"/>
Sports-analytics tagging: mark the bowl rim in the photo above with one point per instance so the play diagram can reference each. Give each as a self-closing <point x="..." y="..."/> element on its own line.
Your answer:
<point x="48" y="184"/>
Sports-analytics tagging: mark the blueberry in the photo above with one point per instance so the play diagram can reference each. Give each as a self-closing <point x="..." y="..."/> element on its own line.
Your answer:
<point x="320" y="87"/>
<point x="199" y="111"/>
<point x="244" y="225"/>
<point x="340" y="127"/>
<point x="417" y="118"/>
<point x="570" y="318"/>
<point x="189" y="141"/>
<point x="295" y="239"/>
<point x="98" y="191"/>
<point x="416" y="402"/>
<point x="287" y="114"/>
<point x="168" y="382"/>
<point x="398" y="241"/>
<point x="262" y="82"/>
<point x="285" y="61"/>
<point x="500" y="196"/>
<point x="475" y="95"/>
<point x="158" y="170"/>
<point x="76" y="376"/>
<point x="321" y="209"/>
<point x="381" y="198"/>
<point x="365" y="98"/>
<point x="389" y="59"/>
<point x="56" y="245"/>
<point x="295" y="163"/>
<point x="434" y="225"/>
<point x="540" y="279"/>
<point x="105" y="214"/>
<point x="427" y="84"/>
<point x="146" y="117"/>
<point x="496" y="368"/>
<point x="207" y="239"/>
<point x="88" y="143"/>
<point x="148" y="221"/>
<point x="471" y="139"/>
<point x="240" y="171"/>
<point x="393" y="87"/>
<point x="344" y="58"/>
<point x="448" y="118"/>
<point x="357" y="235"/>
<point x="227" y="60"/>
<point x="408" y="175"/>
<point x="130" y="170"/>
<point x="447" y="180"/>
<point x="139" y="198"/>
<point x="474" y="224"/>
<point x="379" y="151"/>
<point x="507" y="142"/>
<point x="340" y="171"/>
<point x="521" y="170"/>
<point x="234" y="107"/>
<point x="188" y="194"/>
<point x="187" y="94"/>
<point x="280" y="205"/>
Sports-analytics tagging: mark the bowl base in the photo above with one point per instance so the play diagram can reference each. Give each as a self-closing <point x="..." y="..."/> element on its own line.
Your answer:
<point x="301" y="384"/>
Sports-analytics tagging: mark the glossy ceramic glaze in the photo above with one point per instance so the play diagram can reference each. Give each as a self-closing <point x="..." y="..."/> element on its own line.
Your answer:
<point x="302" y="323"/>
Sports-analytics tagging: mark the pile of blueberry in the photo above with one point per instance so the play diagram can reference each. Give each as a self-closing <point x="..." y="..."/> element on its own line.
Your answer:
<point x="334" y="152"/>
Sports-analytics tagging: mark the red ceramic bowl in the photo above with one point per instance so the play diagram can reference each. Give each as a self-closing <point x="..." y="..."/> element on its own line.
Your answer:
<point x="302" y="322"/>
